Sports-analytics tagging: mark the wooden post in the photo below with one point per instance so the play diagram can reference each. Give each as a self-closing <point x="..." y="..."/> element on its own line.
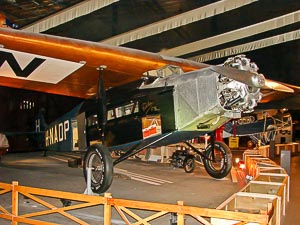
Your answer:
<point x="180" y="216"/>
<point x="14" y="202"/>
<point x="107" y="209"/>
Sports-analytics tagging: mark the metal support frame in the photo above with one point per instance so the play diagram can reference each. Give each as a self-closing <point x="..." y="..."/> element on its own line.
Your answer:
<point x="212" y="142"/>
<point x="195" y="149"/>
<point x="139" y="147"/>
<point x="101" y="102"/>
<point x="88" y="190"/>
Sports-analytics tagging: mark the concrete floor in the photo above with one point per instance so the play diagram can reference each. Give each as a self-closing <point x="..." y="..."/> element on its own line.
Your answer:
<point x="162" y="184"/>
<point x="293" y="214"/>
<point x="135" y="180"/>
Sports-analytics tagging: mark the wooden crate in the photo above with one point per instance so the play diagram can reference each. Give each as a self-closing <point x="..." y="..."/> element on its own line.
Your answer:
<point x="276" y="178"/>
<point x="270" y="188"/>
<point x="254" y="162"/>
<point x="251" y="204"/>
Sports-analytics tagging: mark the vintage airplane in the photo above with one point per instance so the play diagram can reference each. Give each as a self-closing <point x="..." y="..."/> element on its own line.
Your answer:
<point x="133" y="99"/>
<point x="261" y="127"/>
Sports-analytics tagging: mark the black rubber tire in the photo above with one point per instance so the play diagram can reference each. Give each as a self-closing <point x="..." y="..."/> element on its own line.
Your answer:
<point x="223" y="161"/>
<point x="189" y="164"/>
<point x="99" y="159"/>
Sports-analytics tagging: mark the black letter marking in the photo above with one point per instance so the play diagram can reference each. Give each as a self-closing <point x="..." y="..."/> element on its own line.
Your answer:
<point x="9" y="57"/>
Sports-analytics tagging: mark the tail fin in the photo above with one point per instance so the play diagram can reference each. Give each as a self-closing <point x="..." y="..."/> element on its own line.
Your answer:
<point x="40" y="122"/>
<point x="6" y="23"/>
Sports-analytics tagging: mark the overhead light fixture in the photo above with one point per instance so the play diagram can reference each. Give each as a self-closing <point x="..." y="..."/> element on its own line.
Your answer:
<point x="36" y="3"/>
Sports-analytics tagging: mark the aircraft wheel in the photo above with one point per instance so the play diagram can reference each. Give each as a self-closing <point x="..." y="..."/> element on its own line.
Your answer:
<point x="98" y="158"/>
<point x="221" y="166"/>
<point x="189" y="164"/>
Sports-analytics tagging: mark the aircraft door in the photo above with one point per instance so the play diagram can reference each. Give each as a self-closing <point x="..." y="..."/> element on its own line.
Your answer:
<point x="74" y="135"/>
<point x="81" y="132"/>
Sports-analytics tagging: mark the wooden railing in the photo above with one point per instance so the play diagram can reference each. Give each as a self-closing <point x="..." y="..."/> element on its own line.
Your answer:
<point x="127" y="209"/>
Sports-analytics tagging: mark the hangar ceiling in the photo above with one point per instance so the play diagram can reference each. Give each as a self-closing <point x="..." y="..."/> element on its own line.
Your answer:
<point x="267" y="31"/>
<point x="207" y="30"/>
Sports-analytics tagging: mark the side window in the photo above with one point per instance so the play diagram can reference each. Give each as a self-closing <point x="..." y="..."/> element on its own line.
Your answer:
<point x="149" y="108"/>
<point x="92" y="121"/>
<point x="123" y="110"/>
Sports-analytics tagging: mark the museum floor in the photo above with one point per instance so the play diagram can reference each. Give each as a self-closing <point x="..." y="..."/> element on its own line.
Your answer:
<point x="292" y="216"/>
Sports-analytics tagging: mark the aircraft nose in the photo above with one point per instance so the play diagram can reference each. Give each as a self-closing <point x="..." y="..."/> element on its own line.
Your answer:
<point x="258" y="80"/>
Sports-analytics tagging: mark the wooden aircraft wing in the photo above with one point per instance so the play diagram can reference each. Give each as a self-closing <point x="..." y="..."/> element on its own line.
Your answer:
<point x="68" y="67"/>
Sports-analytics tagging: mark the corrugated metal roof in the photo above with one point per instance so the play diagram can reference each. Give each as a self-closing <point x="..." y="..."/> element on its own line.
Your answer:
<point x="24" y="12"/>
